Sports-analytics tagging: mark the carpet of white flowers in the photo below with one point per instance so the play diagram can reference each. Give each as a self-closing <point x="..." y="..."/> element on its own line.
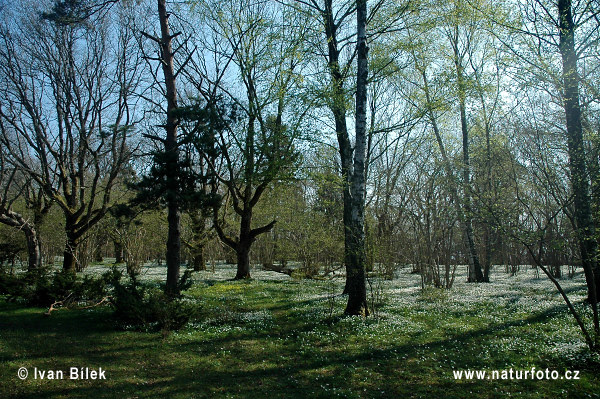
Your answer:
<point x="485" y="311"/>
<point x="274" y="336"/>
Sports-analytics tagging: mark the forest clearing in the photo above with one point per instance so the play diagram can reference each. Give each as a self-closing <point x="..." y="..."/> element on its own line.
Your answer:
<point x="300" y="198"/>
<point x="279" y="337"/>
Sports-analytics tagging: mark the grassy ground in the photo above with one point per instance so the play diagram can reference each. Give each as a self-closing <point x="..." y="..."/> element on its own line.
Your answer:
<point x="275" y="337"/>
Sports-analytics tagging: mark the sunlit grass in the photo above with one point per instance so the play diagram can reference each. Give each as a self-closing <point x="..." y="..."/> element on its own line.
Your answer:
<point x="276" y="337"/>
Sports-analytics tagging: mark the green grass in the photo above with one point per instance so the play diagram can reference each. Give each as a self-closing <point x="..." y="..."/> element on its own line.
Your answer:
<point x="279" y="338"/>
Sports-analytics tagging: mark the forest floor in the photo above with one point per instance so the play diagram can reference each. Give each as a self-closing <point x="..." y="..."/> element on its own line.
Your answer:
<point x="277" y="337"/>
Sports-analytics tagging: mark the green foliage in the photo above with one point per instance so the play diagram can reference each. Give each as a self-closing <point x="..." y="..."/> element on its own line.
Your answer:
<point x="12" y="246"/>
<point x="307" y="229"/>
<point x="75" y="12"/>
<point x="199" y="122"/>
<point x="137" y="306"/>
<point x="66" y="12"/>
<point x="42" y="288"/>
<point x="140" y="232"/>
<point x="10" y="285"/>
<point x="186" y="282"/>
<point x="143" y="307"/>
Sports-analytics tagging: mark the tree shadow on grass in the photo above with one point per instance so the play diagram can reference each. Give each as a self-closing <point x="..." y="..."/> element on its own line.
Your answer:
<point x="187" y="368"/>
<point x="286" y="374"/>
<point x="30" y="334"/>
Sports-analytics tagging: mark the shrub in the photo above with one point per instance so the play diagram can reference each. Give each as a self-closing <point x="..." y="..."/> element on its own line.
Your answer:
<point x="10" y="285"/>
<point x="147" y="308"/>
<point x="137" y="306"/>
<point x="42" y="288"/>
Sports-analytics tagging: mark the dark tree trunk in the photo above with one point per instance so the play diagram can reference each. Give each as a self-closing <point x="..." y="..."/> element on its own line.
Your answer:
<point x="69" y="256"/>
<point x="556" y="271"/>
<point x="34" y="245"/>
<point x="577" y="160"/>
<point x="355" y="277"/>
<point x="34" y="249"/>
<point x="338" y="109"/>
<point x="347" y="220"/>
<point x="72" y="241"/>
<point x="119" y="252"/>
<point x="197" y="255"/>
<point x="487" y="242"/>
<point x="460" y="211"/>
<point x="243" y="246"/>
<point x="488" y="220"/>
<point x="243" y="261"/>
<point x="173" y="254"/>
<point x="475" y="273"/>
<point x="199" y="238"/>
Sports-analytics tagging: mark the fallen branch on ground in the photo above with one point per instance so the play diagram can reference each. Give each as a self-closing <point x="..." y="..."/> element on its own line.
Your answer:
<point x="61" y="305"/>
